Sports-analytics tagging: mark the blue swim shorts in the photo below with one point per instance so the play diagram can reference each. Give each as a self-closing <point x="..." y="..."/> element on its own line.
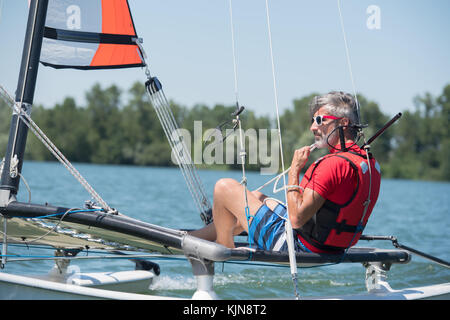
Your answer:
<point x="267" y="229"/>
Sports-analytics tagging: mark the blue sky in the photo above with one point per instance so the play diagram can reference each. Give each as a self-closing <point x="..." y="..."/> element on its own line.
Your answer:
<point x="189" y="49"/>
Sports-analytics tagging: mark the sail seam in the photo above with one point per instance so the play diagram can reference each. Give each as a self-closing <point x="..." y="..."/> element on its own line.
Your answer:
<point x="88" y="37"/>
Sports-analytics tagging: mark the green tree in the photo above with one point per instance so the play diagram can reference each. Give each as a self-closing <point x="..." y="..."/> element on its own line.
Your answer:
<point x="375" y="119"/>
<point x="104" y="124"/>
<point x="443" y="131"/>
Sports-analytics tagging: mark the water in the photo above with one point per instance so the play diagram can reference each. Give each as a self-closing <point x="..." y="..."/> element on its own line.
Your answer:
<point x="414" y="211"/>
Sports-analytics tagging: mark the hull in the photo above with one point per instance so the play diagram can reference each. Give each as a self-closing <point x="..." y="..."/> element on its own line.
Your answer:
<point x="385" y="292"/>
<point x="17" y="287"/>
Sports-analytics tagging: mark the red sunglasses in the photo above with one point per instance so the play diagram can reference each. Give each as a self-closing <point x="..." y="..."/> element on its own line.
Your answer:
<point x="319" y="119"/>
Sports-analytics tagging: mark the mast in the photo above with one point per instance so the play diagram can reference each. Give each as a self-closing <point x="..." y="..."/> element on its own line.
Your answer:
<point x="15" y="151"/>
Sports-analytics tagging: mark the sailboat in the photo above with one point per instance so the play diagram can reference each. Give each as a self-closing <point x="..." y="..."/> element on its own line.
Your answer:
<point x="56" y="37"/>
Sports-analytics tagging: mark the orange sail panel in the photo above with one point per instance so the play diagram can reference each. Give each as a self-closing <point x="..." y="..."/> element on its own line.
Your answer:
<point x="116" y="17"/>
<point x="115" y="55"/>
<point x="94" y="34"/>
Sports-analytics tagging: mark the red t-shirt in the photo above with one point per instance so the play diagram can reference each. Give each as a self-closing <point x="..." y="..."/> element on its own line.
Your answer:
<point x="334" y="179"/>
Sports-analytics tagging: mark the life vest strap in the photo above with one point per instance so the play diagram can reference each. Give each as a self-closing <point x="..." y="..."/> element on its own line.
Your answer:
<point x="344" y="227"/>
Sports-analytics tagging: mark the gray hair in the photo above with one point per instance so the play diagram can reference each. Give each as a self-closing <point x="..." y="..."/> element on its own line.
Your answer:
<point x="339" y="104"/>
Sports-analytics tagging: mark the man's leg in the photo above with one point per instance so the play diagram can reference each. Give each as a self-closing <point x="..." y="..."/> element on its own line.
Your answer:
<point x="208" y="232"/>
<point x="269" y="202"/>
<point x="229" y="210"/>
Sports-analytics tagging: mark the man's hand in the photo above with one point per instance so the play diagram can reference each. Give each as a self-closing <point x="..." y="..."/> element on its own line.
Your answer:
<point x="299" y="160"/>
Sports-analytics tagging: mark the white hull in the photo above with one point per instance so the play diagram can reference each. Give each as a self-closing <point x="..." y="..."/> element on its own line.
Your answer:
<point x="385" y="292"/>
<point x="16" y="287"/>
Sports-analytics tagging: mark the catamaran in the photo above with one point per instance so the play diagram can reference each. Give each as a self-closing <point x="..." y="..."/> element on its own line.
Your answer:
<point x="105" y="38"/>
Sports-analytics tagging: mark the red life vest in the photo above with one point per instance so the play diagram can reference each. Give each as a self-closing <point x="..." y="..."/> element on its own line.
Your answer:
<point x="336" y="227"/>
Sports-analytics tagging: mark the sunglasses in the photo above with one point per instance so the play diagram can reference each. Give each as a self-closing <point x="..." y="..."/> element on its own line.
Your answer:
<point x="319" y="119"/>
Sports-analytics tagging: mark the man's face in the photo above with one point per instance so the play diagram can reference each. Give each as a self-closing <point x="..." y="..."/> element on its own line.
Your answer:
<point x="322" y="131"/>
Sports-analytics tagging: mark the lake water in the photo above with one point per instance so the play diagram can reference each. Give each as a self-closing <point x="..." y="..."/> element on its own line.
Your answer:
<point x="416" y="212"/>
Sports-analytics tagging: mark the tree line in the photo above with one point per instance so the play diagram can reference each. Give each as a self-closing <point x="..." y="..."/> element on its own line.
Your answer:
<point x="110" y="130"/>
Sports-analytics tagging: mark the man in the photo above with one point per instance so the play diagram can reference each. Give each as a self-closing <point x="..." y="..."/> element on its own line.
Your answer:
<point x="328" y="208"/>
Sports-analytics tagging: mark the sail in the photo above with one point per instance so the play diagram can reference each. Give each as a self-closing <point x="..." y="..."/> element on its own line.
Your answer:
<point x="90" y="34"/>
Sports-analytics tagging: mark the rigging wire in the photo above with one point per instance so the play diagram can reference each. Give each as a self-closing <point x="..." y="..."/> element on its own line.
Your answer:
<point x="359" y="127"/>
<point x="1" y="10"/>
<point x="289" y="235"/>
<point x="179" y="149"/>
<point x="25" y="117"/>
<point x="178" y="146"/>
<point x="54" y="227"/>
<point x="242" y="152"/>
<point x="347" y="54"/>
<point x="278" y="177"/>
<point x="3" y="253"/>
<point x="233" y="47"/>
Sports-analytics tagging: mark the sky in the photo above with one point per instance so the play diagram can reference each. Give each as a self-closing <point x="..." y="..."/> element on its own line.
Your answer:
<point x="189" y="48"/>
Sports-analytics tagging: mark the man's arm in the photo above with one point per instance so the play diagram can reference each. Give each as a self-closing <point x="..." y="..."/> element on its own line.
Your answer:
<point x="301" y="205"/>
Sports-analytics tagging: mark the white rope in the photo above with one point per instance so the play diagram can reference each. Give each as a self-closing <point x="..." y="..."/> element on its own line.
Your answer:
<point x="233" y="46"/>
<point x="53" y="149"/>
<point x="180" y="150"/>
<point x="347" y="53"/>
<point x="54" y="228"/>
<point x="278" y="177"/>
<point x="1" y="10"/>
<point x="275" y="93"/>
<point x="196" y="184"/>
<point x="171" y="129"/>
<point x="242" y="152"/>
<point x="289" y="236"/>
<point x="27" y="186"/>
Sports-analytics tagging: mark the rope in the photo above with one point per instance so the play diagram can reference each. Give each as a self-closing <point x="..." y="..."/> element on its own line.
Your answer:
<point x="278" y="177"/>
<point x="182" y="154"/>
<point x="234" y="53"/>
<point x="361" y="133"/>
<point x="1" y="10"/>
<point x="347" y="54"/>
<point x="289" y="236"/>
<point x="53" y="149"/>
<point x="4" y="256"/>
<point x="179" y="148"/>
<point x="242" y="152"/>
